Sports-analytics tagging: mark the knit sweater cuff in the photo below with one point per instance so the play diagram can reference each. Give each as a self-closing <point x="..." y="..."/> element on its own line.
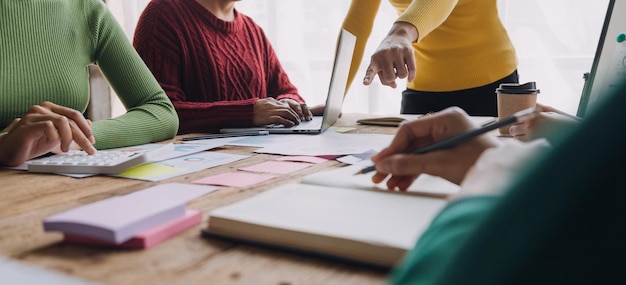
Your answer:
<point x="426" y="15"/>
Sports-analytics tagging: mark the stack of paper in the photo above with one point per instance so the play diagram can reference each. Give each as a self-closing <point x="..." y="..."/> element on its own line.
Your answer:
<point x="138" y="220"/>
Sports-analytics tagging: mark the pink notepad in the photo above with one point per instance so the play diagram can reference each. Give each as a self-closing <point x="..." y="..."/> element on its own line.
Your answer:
<point x="119" y="218"/>
<point x="148" y="238"/>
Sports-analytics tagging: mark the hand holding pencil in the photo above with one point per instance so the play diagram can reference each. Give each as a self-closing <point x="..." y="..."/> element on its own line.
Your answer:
<point x="452" y="145"/>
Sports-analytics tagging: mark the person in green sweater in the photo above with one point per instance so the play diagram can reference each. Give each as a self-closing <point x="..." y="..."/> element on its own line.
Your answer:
<point x="527" y="213"/>
<point x="45" y="48"/>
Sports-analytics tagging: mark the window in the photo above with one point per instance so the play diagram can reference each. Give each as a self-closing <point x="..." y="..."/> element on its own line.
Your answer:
<point x="555" y="41"/>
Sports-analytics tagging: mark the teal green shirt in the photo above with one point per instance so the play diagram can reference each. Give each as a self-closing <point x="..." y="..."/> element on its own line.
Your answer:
<point x="45" y="48"/>
<point x="560" y="223"/>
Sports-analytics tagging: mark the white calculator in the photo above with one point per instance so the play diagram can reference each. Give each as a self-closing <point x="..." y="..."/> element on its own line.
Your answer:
<point x="102" y="162"/>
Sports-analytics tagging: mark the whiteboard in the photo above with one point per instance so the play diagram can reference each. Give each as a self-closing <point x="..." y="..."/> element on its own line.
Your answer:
<point x="608" y="71"/>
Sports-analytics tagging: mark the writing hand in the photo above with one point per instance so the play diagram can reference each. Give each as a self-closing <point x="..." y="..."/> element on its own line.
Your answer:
<point x="451" y="164"/>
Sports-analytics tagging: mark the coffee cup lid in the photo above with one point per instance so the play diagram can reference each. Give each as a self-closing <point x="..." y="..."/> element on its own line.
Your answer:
<point x="516" y="88"/>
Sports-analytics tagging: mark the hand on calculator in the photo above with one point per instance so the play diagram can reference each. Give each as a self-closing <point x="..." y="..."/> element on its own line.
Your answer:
<point x="102" y="162"/>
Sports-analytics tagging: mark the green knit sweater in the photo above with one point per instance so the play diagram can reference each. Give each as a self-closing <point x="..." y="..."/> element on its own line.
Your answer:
<point x="45" y="47"/>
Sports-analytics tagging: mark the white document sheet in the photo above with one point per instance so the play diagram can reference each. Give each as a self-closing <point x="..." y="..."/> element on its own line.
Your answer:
<point x="329" y="143"/>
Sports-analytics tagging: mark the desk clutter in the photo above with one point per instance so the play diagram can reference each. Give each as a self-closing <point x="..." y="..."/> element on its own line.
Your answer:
<point x="313" y="208"/>
<point x="305" y="200"/>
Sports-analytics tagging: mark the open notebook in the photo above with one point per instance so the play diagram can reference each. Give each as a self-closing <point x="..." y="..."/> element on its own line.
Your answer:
<point x="325" y="215"/>
<point x="334" y="99"/>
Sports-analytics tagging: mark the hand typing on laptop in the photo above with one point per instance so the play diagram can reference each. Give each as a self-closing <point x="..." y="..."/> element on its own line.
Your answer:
<point x="290" y="117"/>
<point x="287" y="112"/>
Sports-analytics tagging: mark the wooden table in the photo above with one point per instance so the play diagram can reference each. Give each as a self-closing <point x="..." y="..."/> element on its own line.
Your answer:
<point x="27" y="198"/>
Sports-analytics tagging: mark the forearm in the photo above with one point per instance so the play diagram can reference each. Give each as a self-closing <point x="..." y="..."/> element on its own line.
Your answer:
<point x="359" y="21"/>
<point x="404" y="30"/>
<point x="427" y="15"/>
<point x="496" y="169"/>
<point x="150" y="115"/>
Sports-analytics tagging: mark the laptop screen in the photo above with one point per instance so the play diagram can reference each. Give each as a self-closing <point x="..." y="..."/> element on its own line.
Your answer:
<point x="609" y="65"/>
<point x="339" y="78"/>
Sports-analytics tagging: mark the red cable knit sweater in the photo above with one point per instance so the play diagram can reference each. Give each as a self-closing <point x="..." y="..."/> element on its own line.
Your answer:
<point x="213" y="71"/>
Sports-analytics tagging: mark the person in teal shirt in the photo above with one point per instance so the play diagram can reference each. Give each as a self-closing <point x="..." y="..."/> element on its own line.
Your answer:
<point x="45" y="48"/>
<point x="528" y="213"/>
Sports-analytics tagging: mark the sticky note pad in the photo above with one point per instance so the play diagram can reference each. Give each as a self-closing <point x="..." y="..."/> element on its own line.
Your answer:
<point x="119" y="218"/>
<point x="234" y="179"/>
<point x="150" y="237"/>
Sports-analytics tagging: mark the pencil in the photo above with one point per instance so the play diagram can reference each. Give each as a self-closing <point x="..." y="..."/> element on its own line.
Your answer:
<point x="464" y="136"/>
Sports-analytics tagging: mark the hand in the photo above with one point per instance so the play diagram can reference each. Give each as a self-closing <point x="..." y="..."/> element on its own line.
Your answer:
<point x="451" y="164"/>
<point x="318" y="110"/>
<point x="271" y="111"/>
<point x="394" y="56"/>
<point x="45" y="128"/>
<point x="300" y="108"/>
<point x="533" y="127"/>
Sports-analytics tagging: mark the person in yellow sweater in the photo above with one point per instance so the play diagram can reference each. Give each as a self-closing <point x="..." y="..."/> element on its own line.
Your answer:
<point x="452" y="52"/>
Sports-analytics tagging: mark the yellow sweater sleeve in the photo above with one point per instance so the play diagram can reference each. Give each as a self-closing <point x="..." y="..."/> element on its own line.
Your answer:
<point x="426" y="15"/>
<point x="359" y="21"/>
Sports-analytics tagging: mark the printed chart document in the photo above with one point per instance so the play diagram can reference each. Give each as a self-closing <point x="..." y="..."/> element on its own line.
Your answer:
<point x="181" y="165"/>
<point x="361" y="223"/>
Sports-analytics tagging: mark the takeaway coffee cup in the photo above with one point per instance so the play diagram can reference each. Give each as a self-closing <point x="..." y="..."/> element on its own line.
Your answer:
<point x="514" y="97"/>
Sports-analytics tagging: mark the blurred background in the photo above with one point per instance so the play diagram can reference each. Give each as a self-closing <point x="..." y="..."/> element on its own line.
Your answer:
<point x="555" y="42"/>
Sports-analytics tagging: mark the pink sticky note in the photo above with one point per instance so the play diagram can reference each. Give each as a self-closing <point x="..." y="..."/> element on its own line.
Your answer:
<point x="277" y="167"/>
<point x="234" y="179"/>
<point x="302" y="158"/>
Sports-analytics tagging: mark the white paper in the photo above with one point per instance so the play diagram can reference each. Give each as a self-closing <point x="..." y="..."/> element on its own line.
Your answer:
<point x="329" y="143"/>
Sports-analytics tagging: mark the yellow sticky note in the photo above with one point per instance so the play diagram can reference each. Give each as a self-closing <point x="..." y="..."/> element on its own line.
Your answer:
<point x="344" y="129"/>
<point x="147" y="170"/>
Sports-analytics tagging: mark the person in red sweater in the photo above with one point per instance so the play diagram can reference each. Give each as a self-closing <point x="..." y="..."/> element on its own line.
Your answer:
<point x="216" y="65"/>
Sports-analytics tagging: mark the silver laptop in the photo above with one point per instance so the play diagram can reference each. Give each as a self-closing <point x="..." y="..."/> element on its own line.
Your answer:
<point x="334" y="99"/>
